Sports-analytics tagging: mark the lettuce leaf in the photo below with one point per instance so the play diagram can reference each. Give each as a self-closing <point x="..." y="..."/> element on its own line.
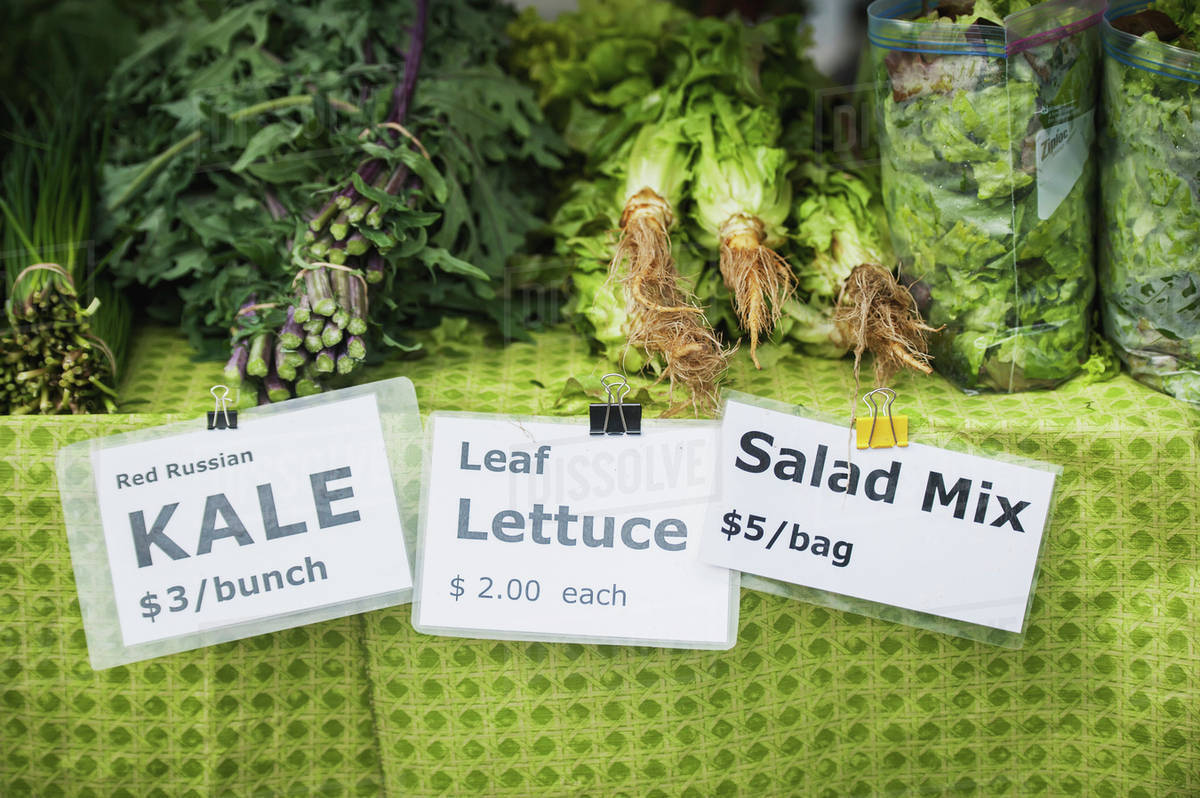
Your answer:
<point x="1150" y="234"/>
<point x="960" y="170"/>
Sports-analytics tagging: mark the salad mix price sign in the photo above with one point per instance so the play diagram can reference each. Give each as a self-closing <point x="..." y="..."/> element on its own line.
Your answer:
<point x="940" y="532"/>
<point x="533" y="529"/>
<point x="289" y="518"/>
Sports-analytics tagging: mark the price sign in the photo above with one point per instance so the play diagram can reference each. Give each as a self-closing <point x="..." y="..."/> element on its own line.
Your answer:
<point x="291" y="516"/>
<point x="532" y="529"/>
<point x="938" y="532"/>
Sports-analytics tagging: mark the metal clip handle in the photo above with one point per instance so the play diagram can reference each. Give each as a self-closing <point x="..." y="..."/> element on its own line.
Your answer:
<point x="221" y="417"/>
<point x="869" y="400"/>
<point x="616" y="387"/>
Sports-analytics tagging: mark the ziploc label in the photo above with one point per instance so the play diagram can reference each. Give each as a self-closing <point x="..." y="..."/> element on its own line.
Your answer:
<point x="1062" y="152"/>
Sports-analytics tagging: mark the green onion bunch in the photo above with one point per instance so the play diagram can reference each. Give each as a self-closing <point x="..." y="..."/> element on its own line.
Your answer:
<point x="66" y="330"/>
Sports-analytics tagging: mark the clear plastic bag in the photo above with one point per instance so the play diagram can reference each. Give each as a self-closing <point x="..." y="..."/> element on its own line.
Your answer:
<point x="1150" y="235"/>
<point x="988" y="180"/>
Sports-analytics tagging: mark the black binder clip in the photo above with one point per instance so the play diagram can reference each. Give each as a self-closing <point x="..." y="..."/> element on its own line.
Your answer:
<point x="221" y="417"/>
<point x="614" y="417"/>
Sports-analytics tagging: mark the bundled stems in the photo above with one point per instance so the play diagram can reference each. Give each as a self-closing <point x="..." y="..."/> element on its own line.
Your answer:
<point x="61" y="358"/>
<point x="60" y="350"/>
<point x="344" y="250"/>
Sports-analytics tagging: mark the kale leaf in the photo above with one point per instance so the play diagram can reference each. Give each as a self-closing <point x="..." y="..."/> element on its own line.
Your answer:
<point x="234" y="126"/>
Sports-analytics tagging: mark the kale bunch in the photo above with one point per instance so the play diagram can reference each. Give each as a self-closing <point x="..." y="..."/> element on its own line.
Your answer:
<point x="366" y="167"/>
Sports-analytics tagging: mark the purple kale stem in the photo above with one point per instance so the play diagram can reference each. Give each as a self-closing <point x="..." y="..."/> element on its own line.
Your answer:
<point x="340" y="227"/>
<point x="320" y="293"/>
<point x="279" y="363"/>
<point x="291" y="325"/>
<point x="368" y="171"/>
<point x="358" y="299"/>
<point x="364" y="92"/>
<point x="394" y="184"/>
<point x="375" y="267"/>
<point x="291" y="332"/>
<point x="300" y="309"/>
<point x="337" y="253"/>
<point x="356" y="244"/>
<point x="243" y="314"/>
<point x="277" y="390"/>
<point x="397" y="179"/>
<point x="235" y="369"/>
<point x="341" y="287"/>
<point x="274" y="206"/>
<point x="325" y="361"/>
<point x="412" y="64"/>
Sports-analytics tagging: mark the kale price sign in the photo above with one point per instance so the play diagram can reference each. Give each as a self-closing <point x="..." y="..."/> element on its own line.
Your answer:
<point x="939" y="532"/>
<point x="290" y="517"/>
<point x="533" y="529"/>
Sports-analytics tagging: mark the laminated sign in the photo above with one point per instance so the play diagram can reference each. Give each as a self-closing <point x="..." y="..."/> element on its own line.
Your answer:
<point x="914" y="533"/>
<point x="196" y="533"/>
<point x="536" y="529"/>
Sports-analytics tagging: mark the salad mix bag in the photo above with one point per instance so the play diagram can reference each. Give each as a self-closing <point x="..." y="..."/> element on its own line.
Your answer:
<point x="987" y="116"/>
<point x="1150" y="236"/>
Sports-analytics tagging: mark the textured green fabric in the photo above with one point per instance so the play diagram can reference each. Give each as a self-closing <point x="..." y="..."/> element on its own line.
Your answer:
<point x="283" y="714"/>
<point x="1101" y="701"/>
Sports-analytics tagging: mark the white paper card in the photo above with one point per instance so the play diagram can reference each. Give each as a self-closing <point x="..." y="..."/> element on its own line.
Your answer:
<point x="921" y="528"/>
<point x="209" y="535"/>
<point x="532" y="529"/>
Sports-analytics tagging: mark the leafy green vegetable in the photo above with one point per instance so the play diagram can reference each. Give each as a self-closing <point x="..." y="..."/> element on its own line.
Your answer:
<point x="272" y="158"/>
<point x="837" y="227"/>
<point x="662" y="317"/>
<point x="742" y="197"/>
<point x="625" y="116"/>
<point x="51" y="48"/>
<point x="1150" y="183"/>
<point x="1185" y="14"/>
<point x="966" y="12"/>
<point x="67" y="328"/>
<point x="739" y="168"/>
<point x="744" y="96"/>
<point x="973" y="148"/>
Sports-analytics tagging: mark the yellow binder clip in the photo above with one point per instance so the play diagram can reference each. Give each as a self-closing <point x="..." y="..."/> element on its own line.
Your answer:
<point x="872" y="435"/>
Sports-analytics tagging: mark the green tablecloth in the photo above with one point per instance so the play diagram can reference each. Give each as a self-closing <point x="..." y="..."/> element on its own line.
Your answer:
<point x="1103" y="700"/>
